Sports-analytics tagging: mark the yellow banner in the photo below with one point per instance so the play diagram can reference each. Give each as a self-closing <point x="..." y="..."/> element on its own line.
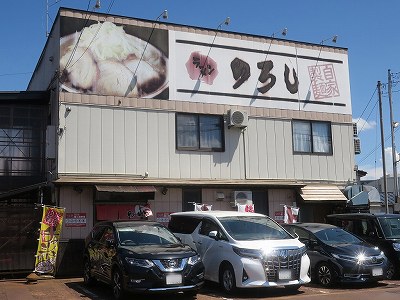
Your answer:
<point x="50" y="231"/>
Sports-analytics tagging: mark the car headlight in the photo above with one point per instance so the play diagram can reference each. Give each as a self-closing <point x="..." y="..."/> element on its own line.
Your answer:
<point x="249" y="253"/>
<point x="194" y="260"/>
<point x="359" y="258"/>
<point x="144" y="263"/>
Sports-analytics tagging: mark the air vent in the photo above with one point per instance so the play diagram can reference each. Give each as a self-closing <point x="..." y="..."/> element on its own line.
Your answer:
<point x="238" y="118"/>
<point x="357" y="146"/>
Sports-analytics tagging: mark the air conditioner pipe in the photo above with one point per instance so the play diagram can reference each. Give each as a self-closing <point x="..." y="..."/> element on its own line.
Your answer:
<point x="244" y="154"/>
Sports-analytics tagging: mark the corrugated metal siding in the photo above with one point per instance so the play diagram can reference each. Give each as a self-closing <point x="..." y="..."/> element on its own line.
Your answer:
<point x="119" y="140"/>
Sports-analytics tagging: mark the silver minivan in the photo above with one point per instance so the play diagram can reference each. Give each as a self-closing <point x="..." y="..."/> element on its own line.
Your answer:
<point x="243" y="250"/>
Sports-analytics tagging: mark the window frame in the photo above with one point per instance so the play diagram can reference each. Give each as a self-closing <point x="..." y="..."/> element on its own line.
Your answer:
<point x="199" y="148"/>
<point x="312" y="152"/>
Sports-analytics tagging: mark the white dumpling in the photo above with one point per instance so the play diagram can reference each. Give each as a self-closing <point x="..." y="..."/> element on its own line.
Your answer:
<point x="82" y="70"/>
<point x="115" y="79"/>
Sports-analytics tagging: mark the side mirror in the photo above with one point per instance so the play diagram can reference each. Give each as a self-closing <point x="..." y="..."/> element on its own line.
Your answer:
<point x="213" y="234"/>
<point x="308" y="243"/>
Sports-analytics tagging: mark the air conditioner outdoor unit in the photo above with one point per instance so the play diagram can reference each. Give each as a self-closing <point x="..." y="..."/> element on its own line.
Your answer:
<point x="357" y="146"/>
<point x="241" y="197"/>
<point x="355" y="130"/>
<point x="237" y="118"/>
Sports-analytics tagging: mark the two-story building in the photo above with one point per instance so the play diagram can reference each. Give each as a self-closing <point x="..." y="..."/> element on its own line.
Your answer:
<point x="146" y="114"/>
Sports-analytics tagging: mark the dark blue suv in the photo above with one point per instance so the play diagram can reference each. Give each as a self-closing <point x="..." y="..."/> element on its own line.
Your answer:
<point x="380" y="229"/>
<point x="337" y="255"/>
<point x="141" y="256"/>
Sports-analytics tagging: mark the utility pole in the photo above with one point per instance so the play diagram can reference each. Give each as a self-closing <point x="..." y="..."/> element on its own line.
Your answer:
<point x="383" y="148"/>
<point x="392" y="127"/>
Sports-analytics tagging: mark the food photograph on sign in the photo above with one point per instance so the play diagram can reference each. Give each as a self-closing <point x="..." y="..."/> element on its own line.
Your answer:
<point x="106" y="58"/>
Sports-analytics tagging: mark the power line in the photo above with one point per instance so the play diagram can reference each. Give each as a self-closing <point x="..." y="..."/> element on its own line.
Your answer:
<point x="15" y="74"/>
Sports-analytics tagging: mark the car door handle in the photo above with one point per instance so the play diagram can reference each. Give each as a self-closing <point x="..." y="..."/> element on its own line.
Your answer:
<point x="199" y="242"/>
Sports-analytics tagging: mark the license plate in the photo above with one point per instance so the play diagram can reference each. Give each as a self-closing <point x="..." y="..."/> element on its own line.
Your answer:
<point x="173" y="278"/>
<point x="377" y="272"/>
<point x="284" y="274"/>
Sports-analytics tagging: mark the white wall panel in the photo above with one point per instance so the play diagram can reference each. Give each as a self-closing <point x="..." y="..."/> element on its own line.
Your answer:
<point x="107" y="141"/>
<point x="271" y="150"/>
<point x="142" y="146"/>
<point x="153" y="145"/>
<point x="83" y="131"/>
<point x="280" y="150"/>
<point x="119" y="150"/>
<point x="163" y="148"/>
<point x="262" y="144"/>
<point x="252" y="149"/>
<point x="130" y="141"/>
<point x="71" y="140"/>
<point x="338" y="151"/>
<point x="95" y="138"/>
<point x="288" y="150"/>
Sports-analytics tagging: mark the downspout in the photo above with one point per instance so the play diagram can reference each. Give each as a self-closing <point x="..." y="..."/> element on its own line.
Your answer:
<point x="244" y="154"/>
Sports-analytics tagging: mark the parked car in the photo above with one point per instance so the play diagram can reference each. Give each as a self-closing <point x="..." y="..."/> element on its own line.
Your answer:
<point x="141" y="256"/>
<point x="337" y="255"/>
<point x="381" y="230"/>
<point x="243" y="250"/>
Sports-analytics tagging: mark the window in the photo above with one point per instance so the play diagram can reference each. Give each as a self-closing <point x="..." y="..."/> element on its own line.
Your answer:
<point x="199" y="132"/>
<point x="312" y="137"/>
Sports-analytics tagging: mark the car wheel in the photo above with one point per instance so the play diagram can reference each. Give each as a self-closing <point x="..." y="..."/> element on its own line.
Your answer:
<point x="117" y="285"/>
<point x="227" y="279"/>
<point x="325" y="275"/>
<point x="390" y="271"/>
<point x="87" y="276"/>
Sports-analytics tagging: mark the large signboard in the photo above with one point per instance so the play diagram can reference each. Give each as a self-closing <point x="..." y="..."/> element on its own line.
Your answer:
<point x="143" y="62"/>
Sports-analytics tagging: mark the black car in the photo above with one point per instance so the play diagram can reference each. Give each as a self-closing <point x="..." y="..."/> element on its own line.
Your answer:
<point x="142" y="257"/>
<point x="337" y="255"/>
<point x="381" y="230"/>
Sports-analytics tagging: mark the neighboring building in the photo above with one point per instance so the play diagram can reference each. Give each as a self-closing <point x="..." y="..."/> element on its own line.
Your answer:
<point x="23" y="171"/>
<point x="164" y="115"/>
<point x="393" y="203"/>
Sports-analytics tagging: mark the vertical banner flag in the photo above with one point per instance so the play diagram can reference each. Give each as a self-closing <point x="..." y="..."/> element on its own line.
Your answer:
<point x="290" y="214"/>
<point x="49" y="237"/>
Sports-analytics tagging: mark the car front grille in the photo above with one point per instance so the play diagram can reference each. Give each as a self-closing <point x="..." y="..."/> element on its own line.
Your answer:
<point x="283" y="259"/>
<point x="171" y="265"/>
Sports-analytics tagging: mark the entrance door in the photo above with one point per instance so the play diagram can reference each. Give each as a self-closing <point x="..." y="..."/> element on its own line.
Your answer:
<point x="189" y="198"/>
<point x="260" y="201"/>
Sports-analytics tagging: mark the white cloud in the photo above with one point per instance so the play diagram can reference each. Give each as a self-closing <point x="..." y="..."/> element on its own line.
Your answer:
<point x="376" y="172"/>
<point x="363" y="125"/>
<point x="372" y="172"/>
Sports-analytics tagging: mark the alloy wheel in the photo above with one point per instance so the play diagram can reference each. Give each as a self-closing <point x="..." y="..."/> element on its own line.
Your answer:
<point x="228" y="279"/>
<point x="325" y="275"/>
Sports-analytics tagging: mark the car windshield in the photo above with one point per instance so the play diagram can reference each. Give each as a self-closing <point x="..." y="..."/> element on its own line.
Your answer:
<point x="333" y="236"/>
<point x="246" y="228"/>
<point x="146" y="235"/>
<point x="391" y="227"/>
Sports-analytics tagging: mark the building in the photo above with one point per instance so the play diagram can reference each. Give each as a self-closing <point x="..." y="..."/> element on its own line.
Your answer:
<point x="146" y="114"/>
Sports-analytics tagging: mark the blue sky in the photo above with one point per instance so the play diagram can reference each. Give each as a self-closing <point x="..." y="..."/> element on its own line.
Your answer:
<point x="369" y="29"/>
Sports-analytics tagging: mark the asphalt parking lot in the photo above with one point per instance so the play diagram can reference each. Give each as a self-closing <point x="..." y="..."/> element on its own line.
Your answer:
<point x="73" y="288"/>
